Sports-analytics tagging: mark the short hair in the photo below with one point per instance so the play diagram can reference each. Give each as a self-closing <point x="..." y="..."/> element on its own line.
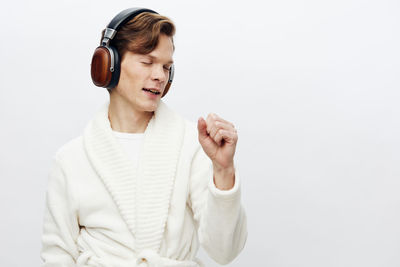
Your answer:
<point x="141" y="34"/>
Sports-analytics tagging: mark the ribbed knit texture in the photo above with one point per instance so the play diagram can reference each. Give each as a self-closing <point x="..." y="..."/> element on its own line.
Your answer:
<point x="142" y="195"/>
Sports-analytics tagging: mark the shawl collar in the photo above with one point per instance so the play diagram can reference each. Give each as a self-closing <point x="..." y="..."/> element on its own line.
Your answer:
<point x="143" y="194"/>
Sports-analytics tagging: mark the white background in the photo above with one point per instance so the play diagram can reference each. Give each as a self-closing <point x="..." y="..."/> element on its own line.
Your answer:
<point x="312" y="87"/>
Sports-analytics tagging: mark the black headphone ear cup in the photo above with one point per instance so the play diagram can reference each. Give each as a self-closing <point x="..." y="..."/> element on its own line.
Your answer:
<point x="117" y="68"/>
<point x="100" y="67"/>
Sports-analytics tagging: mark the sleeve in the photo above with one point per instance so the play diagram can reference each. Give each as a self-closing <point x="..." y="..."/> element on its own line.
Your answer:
<point x="60" y="227"/>
<point x="220" y="217"/>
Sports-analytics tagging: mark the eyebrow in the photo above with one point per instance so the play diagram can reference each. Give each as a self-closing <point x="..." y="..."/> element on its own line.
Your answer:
<point x="153" y="57"/>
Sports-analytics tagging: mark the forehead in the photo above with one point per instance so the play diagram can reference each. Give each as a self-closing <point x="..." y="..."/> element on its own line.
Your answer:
<point x="164" y="49"/>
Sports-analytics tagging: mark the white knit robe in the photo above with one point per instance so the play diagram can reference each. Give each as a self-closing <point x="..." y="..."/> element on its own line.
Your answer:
<point x="100" y="211"/>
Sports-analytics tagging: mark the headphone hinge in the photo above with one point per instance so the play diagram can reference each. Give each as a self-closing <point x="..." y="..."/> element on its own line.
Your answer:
<point x="108" y="36"/>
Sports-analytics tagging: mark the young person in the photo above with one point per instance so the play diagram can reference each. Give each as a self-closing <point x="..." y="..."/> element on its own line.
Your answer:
<point x="143" y="186"/>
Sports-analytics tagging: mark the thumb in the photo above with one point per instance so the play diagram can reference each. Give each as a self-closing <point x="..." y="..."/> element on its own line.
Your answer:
<point x="202" y="128"/>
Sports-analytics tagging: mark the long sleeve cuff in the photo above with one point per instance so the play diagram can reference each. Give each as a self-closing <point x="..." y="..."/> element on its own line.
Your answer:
<point x="234" y="192"/>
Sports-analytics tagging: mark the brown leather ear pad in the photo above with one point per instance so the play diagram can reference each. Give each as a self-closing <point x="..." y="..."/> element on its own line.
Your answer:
<point x="100" y="67"/>
<point x="166" y="89"/>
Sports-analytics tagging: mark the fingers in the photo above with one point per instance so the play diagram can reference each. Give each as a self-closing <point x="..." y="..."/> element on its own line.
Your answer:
<point x="214" y="117"/>
<point x="202" y="127"/>
<point x="224" y="135"/>
<point x="220" y="129"/>
<point x="214" y="122"/>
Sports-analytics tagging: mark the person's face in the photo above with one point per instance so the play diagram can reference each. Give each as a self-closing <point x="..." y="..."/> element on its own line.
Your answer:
<point x="141" y="73"/>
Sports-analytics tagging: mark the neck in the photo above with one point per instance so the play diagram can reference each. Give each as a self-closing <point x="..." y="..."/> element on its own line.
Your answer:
<point x="125" y="118"/>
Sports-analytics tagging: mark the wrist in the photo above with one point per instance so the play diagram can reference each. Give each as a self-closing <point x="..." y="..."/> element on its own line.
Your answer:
<point x="226" y="168"/>
<point x="224" y="178"/>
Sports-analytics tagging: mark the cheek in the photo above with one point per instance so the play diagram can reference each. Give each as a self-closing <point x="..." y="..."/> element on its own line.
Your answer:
<point x="131" y="75"/>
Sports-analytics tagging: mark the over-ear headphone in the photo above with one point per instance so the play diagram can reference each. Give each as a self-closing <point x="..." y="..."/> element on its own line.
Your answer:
<point x="106" y="61"/>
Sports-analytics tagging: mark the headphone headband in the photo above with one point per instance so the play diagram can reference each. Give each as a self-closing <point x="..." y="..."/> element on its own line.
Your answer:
<point x="120" y="19"/>
<point x="125" y="15"/>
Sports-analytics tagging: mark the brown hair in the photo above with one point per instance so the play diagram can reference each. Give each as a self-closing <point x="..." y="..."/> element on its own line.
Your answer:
<point x="140" y="34"/>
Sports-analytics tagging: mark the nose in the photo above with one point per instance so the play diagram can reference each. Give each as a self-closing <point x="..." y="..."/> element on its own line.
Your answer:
<point x="158" y="73"/>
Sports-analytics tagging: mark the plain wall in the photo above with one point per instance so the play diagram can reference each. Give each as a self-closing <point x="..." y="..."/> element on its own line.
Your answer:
<point x="311" y="86"/>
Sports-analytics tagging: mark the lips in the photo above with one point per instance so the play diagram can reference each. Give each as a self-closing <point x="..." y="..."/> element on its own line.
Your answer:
<point x="152" y="90"/>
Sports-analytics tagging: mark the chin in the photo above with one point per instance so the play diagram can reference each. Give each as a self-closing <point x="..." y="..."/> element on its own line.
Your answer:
<point x="155" y="106"/>
<point x="151" y="107"/>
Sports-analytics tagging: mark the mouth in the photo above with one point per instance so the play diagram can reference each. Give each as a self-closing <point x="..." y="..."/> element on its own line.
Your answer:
<point x="152" y="90"/>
